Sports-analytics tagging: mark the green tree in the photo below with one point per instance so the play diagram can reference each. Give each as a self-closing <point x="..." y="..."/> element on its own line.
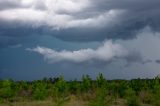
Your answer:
<point x="86" y="83"/>
<point x="60" y="91"/>
<point x="101" y="80"/>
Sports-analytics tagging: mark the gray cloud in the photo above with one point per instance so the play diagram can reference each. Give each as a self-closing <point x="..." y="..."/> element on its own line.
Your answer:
<point x="157" y="61"/>
<point x="107" y="52"/>
<point x="81" y="20"/>
<point x="9" y="4"/>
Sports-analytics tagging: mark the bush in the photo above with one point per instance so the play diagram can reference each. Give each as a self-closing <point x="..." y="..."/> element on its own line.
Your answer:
<point x="61" y="86"/>
<point x="132" y="99"/>
<point x="100" y="99"/>
<point x="122" y="87"/>
<point x="1" y="100"/>
<point x="146" y="96"/>
<point x="40" y="92"/>
<point x="74" y="87"/>
<point x="156" y="96"/>
<point x="6" y="91"/>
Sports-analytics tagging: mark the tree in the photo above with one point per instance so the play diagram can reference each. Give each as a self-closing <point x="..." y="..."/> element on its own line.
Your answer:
<point x="100" y="80"/>
<point x="86" y="83"/>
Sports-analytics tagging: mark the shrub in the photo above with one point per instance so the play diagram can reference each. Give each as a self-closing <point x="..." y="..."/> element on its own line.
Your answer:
<point x="6" y="91"/>
<point x="1" y="100"/>
<point x="122" y="87"/>
<point x="100" y="99"/>
<point x="156" y="96"/>
<point x="146" y="96"/>
<point x="40" y="92"/>
<point x="132" y="99"/>
<point x="61" y="86"/>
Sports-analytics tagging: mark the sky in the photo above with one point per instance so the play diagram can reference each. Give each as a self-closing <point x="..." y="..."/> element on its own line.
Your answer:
<point x="49" y="38"/>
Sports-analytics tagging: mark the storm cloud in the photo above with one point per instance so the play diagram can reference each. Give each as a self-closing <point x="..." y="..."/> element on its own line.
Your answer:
<point x="120" y="38"/>
<point x="157" y="61"/>
<point x="78" y="20"/>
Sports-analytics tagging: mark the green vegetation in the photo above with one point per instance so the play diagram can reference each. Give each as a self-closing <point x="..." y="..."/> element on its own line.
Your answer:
<point x="87" y="92"/>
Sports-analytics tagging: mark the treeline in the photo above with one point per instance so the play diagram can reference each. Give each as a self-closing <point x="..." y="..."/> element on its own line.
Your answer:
<point x="99" y="92"/>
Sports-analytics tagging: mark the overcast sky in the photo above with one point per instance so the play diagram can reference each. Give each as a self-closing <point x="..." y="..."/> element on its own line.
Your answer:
<point x="48" y="38"/>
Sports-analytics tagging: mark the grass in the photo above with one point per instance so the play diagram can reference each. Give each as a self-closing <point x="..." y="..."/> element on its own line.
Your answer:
<point x="72" y="102"/>
<point x="46" y="103"/>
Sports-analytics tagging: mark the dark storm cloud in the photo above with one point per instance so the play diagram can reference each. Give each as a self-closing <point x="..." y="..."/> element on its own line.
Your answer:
<point x="157" y="61"/>
<point x="7" y="41"/>
<point x="85" y="20"/>
<point x="134" y="57"/>
<point x="127" y="4"/>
